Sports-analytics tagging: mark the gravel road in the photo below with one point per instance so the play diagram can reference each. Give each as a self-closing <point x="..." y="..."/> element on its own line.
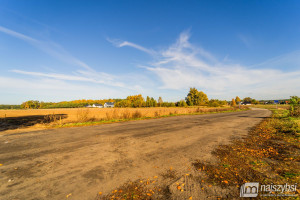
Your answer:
<point x="83" y="161"/>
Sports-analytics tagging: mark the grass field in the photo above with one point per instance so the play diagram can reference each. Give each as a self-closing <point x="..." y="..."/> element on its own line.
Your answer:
<point x="271" y="106"/>
<point x="41" y="118"/>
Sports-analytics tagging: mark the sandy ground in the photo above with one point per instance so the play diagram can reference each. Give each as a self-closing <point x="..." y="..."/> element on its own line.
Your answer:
<point x="51" y="164"/>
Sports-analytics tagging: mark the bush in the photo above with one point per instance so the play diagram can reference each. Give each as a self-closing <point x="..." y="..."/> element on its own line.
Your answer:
<point x="286" y="126"/>
<point x="83" y="115"/>
<point x="214" y="103"/>
<point x="181" y="103"/>
<point x="294" y="106"/>
<point x="137" y="114"/>
<point x="126" y="114"/>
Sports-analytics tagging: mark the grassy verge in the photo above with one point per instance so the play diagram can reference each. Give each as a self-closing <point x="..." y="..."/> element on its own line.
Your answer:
<point x="89" y="123"/>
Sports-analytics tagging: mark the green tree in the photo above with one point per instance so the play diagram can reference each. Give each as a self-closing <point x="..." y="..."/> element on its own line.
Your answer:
<point x="153" y="102"/>
<point x="254" y="101"/>
<point x="148" y="102"/>
<point x="247" y="100"/>
<point x="196" y="98"/>
<point x="237" y="100"/>
<point x="136" y="101"/>
<point x="214" y="103"/>
<point x="123" y="104"/>
<point x="182" y="103"/>
<point x="31" y="104"/>
<point x="294" y="106"/>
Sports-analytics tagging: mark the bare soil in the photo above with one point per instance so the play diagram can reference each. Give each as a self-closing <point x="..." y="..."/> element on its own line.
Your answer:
<point x="79" y="162"/>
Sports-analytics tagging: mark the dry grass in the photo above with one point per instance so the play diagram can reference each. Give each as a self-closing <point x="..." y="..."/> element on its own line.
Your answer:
<point x="145" y="189"/>
<point x="88" y="116"/>
<point x="82" y="114"/>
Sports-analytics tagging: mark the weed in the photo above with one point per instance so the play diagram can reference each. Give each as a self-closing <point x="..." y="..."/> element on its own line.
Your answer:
<point x="156" y="114"/>
<point x="170" y="174"/>
<point x="137" y="114"/>
<point x="50" y="118"/>
<point x="83" y="115"/>
<point x="126" y="114"/>
<point x="140" y="189"/>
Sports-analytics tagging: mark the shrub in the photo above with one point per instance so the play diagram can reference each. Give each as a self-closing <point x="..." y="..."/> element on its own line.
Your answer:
<point x="157" y="114"/>
<point x="83" y="115"/>
<point x="115" y="114"/>
<point x="137" y="114"/>
<point x="294" y="106"/>
<point x="181" y="103"/>
<point x="126" y="114"/>
<point x="214" y="103"/>
<point x="286" y="126"/>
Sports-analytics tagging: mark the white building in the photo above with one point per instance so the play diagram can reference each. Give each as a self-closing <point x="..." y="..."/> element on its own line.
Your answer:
<point x="109" y="105"/>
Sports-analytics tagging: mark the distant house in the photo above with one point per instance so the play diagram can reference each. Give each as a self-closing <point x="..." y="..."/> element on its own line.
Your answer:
<point x="109" y="105"/>
<point x="246" y="103"/>
<point x="95" y="105"/>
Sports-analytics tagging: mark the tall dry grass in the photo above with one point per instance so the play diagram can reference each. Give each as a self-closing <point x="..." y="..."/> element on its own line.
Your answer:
<point x="74" y="115"/>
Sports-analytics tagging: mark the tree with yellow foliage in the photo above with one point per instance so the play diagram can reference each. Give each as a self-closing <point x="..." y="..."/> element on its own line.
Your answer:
<point x="237" y="100"/>
<point x="233" y="103"/>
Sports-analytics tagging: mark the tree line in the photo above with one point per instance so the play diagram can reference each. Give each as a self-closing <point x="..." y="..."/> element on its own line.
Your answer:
<point x="10" y="107"/>
<point x="193" y="98"/>
<point x="34" y="104"/>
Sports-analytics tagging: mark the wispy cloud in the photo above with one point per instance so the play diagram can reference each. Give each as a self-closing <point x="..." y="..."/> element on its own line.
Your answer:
<point x="105" y="79"/>
<point x="119" y="43"/>
<point x="51" y="48"/>
<point x="247" y="41"/>
<point x="171" y="72"/>
<point x="17" y="35"/>
<point x="85" y="74"/>
<point x="290" y="60"/>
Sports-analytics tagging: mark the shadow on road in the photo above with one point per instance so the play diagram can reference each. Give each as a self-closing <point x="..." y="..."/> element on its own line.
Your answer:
<point x="254" y="117"/>
<point x="9" y="123"/>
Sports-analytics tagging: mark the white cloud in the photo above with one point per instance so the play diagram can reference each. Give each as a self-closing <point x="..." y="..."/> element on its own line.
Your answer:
<point x="98" y="78"/>
<point x="183" y="65"/>
<point x="119" y="43"/>
<point x="289" y="61"/>
<point x="172" y="71"/>
<point x="86" y="74"/>
<point x="17" y="35"/>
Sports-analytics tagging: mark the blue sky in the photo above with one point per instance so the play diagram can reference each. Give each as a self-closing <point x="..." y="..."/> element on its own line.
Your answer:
<point x="66" y="50"/>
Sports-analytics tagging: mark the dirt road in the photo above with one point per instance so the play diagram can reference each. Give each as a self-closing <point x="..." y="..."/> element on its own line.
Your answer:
<point x="83" y="161"/>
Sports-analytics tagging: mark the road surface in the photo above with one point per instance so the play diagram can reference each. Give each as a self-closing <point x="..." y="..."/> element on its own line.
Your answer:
<point x="83" y="161"/>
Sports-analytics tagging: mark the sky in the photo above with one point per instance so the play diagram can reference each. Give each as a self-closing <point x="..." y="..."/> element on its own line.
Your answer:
<point x="67" y="50"/>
